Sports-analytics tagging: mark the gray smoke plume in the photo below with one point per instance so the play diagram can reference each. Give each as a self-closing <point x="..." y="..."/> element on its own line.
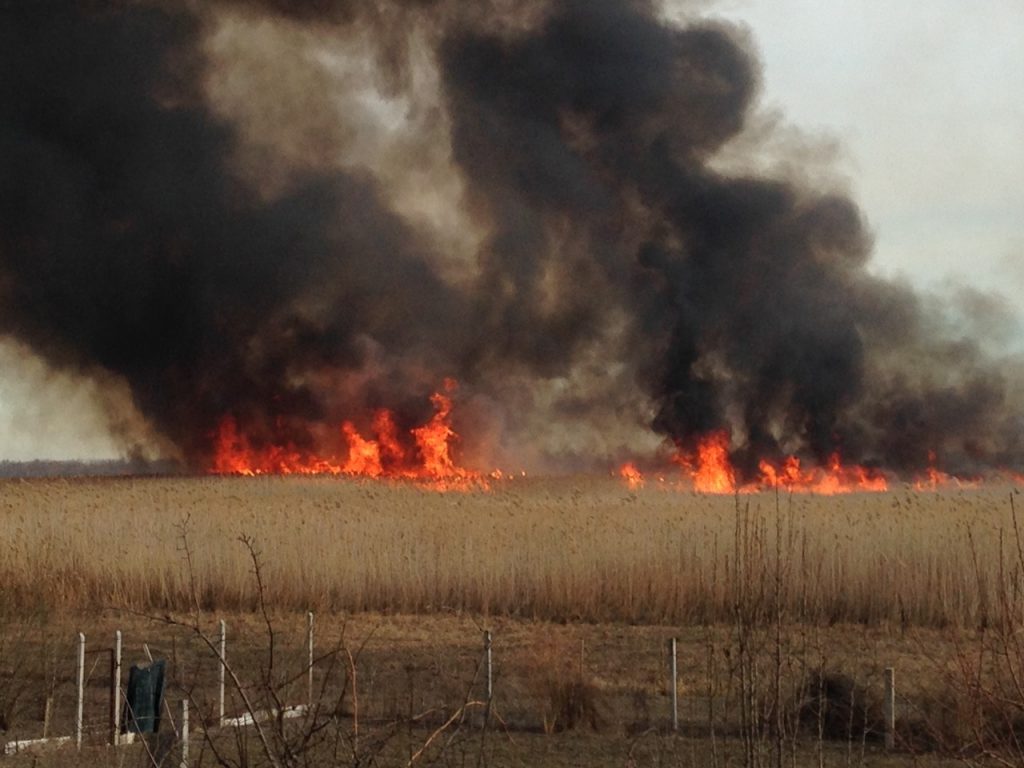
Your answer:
<point x="164" y="219"/>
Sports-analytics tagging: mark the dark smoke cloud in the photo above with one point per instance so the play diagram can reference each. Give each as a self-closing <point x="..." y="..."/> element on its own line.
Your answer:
<point x="321" y="11"/>
<point x="584" y="132"/>
<point x="127" y="243"/>
<point x="751" y="304"/>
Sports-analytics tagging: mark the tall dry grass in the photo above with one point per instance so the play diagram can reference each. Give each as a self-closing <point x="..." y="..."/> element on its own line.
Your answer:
<point x="580" y="548"/>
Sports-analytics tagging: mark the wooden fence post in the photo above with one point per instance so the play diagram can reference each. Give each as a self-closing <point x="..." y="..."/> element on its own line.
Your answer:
<point x="890" y="708"/>
<point x="80" y="711"/>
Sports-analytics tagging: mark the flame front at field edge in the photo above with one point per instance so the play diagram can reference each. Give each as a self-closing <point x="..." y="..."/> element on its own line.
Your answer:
<point x="426" y="456"/>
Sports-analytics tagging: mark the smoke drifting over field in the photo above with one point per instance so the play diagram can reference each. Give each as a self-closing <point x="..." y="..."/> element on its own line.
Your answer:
<point x="293" y="213"/>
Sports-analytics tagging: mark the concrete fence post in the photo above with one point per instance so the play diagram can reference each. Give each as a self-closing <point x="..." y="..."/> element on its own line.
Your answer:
<point x="80" y="711"/>
<point x="222" y="670"/>
<point x="47" y="715"/>
<point x="673" y="671"/>
<point x="309" y="641"/>
<point x="489" y="664"/>
<point x="184" y="734"/>
<point x="890" y="708"/>
<point x="115" y="691"/>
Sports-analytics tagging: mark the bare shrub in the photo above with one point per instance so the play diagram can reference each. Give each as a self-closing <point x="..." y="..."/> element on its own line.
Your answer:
<point x="833" y="706"/>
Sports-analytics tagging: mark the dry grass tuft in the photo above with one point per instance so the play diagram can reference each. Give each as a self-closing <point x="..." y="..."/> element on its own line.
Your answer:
<point x="568" y="695"/>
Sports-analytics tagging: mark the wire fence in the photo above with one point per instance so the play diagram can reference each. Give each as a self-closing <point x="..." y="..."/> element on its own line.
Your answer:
<point x="257" y="686"/>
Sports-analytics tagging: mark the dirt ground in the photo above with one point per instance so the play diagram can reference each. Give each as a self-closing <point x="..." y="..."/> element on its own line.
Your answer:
<point x="398" y="689"/>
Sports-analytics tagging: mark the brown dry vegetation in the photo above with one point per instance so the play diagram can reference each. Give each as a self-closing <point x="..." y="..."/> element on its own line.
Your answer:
<point x="573" y="549"/>
<point x="787" y="610"/>
<point x="565" y="694"/>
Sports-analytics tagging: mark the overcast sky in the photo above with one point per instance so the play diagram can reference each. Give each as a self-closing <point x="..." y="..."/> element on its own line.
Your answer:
<point x="926" y="98"/>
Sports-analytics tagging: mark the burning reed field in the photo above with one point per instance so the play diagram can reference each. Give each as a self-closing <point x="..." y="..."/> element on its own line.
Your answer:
<point x="348" y="274"/>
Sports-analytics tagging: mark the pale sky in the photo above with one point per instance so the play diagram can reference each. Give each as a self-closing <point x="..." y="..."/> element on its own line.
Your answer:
<point x="926" y="100"/>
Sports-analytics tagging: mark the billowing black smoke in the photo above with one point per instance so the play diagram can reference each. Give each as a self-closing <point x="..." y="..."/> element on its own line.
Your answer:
<point x="126" y="241"/>
<point x="584" y="136"/>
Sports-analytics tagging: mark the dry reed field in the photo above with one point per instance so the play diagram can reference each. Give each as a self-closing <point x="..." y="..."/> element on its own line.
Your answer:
<point x="787" y="610"/>
<point x="568" y="549"/>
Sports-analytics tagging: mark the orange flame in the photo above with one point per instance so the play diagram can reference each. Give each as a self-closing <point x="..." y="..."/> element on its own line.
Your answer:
<point x="391" y="452"/>
<point x="711" y="471"/>
<point x="827" y="481"/>
<point x="434" y="440"/>
<point x="634" y="477"/>
<point x="363" y="455"/>
<point x="934" y="479"/>
<point x="232" y="454"/>
<point x="430" y="462"/>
